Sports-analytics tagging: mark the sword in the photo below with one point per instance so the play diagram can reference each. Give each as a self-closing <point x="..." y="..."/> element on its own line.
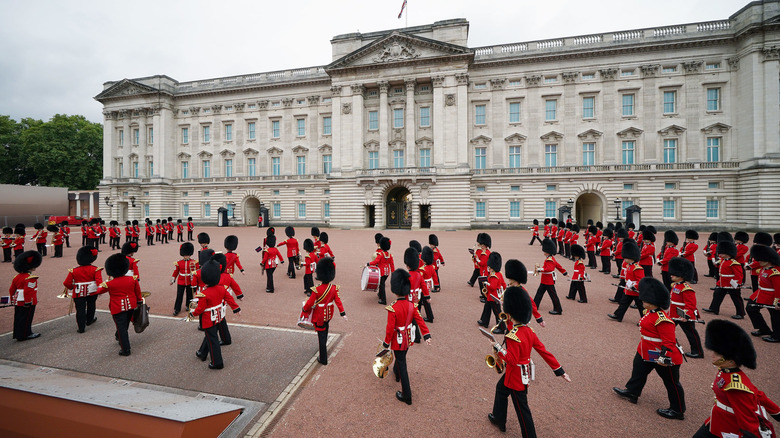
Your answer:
<point x="741" y="287"/>
<point x="623" y="287"/>
<point x="761" y="306"/>
<point x="699" y="321"/>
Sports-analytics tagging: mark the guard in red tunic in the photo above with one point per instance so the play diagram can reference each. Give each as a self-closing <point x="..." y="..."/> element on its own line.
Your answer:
<point x="554" y="232"/>
<point x="7" y="240"/>
<point x="149" y="227"/>
<point x="183" y="271"/>
<point x="322" y="301"/>
<point x="419" y="290"/>
<point x="669" y="252"/>
<point x="741" y="409"/>
<point x="730" y="279"/>
<point x="40" y="238"/>
<point x="315" y="234"/>
<point x="547" y="283"/>
<point x="578" y="276"/>
<point x="403" y="323"/>
<point x="768" y="294"/>
<point x="575" y="235"/>
<point x="324" y="250"/>
<point x="429" y="275"/>
<point x="494" y="291"/>
<point x="24" y="294"/>
<point x="212" y="307"/>
<point x="657" y="350"/>
<point x="136" y="234"/>
<point x="231" y="243"/>
<point x="561" y="236"/>
<point x="480" y="257"/>
<point x="546" y="229"/>
<point x="125" y="295"/>
<point x="741" y="239"/>
<point x="83" y="283"/>
<point x="102" y="230"/>
<point x="684" y="311"/>
<point x="688" y="251"/>
<point x="162" y="229"/>
<point x="113" y="234"/>
<point x="128" y="250"/>
<point x="179" y="231"/>
<point x="190" y="228"/>
<point x="535" y="233"/>
<point x="271" y="258"/>
<point x="647" y="251"/>
<point x="84" y="233"/>
<point x="57" y="240"/>
<point x="293" y="251"/>
<point x="631" y="274"/>
<point x="516" y="353"/>
<point x="383" y="261"/>
<point x="760" y="238"/>
<point x="617" y="250"/>
<point x="438" y="260"/>
<point x="605" y="251"/>
<point x="128" y="231"/>
<point x="309" y="264"/>
<point x="65" y="232"/>
<point x="591" y="242"/>
<point x="516" y="275"/>
<point x="18" y="245"/>
<point x="710" y="249"/>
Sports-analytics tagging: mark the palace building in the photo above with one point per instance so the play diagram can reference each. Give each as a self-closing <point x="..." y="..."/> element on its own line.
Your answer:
<point x="412" y="128"/>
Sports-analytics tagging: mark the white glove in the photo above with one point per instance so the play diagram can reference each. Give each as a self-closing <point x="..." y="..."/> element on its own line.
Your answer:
<point x="734" y="284"/>
<point x="630" y="284"/>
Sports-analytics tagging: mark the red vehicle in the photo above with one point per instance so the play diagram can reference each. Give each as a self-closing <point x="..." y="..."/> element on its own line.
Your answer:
<point x="71" y="220"/>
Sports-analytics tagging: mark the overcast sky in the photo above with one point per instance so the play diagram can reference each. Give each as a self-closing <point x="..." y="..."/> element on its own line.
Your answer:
<point x="55" y="55"/>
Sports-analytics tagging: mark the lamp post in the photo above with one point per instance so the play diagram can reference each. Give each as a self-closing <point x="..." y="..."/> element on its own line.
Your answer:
<point x="132" y="201"/>
<point x="617" y="209"/>
<point x="108" y="201"/>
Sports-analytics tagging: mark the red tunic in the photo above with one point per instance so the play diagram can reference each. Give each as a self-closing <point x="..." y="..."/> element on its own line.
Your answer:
<point x="179" y="229"/>
<point x="124" y="293"/>
<point x="535" y="230"/>
<point x="634" y="273"/>
<point x="418" y="286"/>
<point x="737" y="405"/>
<point x="183" y="270"/>
<point x="742" y="249"/>
<point x="58" y="238"/>
<point x="41" y="236"/>
<point x="83" y="280"/>
<point x="618" y="250"/>
<point x="669" y="253"/>
<point x="730" y="270"/>
<point x="227" y="280"/>
<point x="480" y="261"/>
<point x="232" y="262"/>
<point x="7" y="241"/>
<point x="579" y="271"/>
<point x="322" y="301"/>
<point x="292" y="247"/>
<point x="24" y="289"/>
<point x="133" y="271"/>
<point x="657" y="331"/>
<point x="684" y="299"/>
<point x="18" y="244"/>
<point x="591" y="243"/>
<point x="768" y="286"/>
<point x="113" y="232"/>
<point x="429" y="276"/>
<point x="606" y="247"/>
<point x="517" y="354"/>
<point x="495" y="287"/>
<point x="549" y="266"/>
<point x="689" y="252"/>
<point x="325" y="251"/>
<point x="190" y="226"/>
<point x="646" y="255"/>
<point x="271" y="257"/>
<point x="438" y="259"/>
<point x="212" y="305"/>
<point x="398" y="332"/>
<point x="384" y="261"/>
<point x="310" y="261"/>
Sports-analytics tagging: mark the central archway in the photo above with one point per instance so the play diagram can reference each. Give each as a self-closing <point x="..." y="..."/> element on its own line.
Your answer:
<point x="589" y="206"/>
<point x="399" y="208"/>
<point x="251" y="210"/>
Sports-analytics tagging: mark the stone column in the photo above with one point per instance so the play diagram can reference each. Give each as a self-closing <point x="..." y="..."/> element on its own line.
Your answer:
<point x="108" y="144"/>
<point x="463" y="119"/>
<point x="336" y="126"/>
<point x="438" y="121"/>
<point x="410" y="124"/>
<point x="91" y="200"/>
<point x="771" y="115"/>
<point x="357" y="126"/>
<point x="383" y="125"/>
<point x="497" y="124"/>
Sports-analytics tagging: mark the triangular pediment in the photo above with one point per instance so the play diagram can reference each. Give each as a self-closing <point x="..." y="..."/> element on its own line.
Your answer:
<point x="326" y="148"/>
<point x="552" y="136"/>
<point x="227" y="153"/>
<point x="250" y="151"/>
<point x="480" y="140"/>
<point x="398" y="47"/>
<point x="716" y="128"/>
<point x="124" y="88"/>
<point x="273" y="150"/>
<point x="515" y="138"/>
<point x="424" y="141"/>
<point x="300" y="149"/>
<point x="630" y="132"/>
<point x="183" y="156"/>
<point x="590" y="134"/>
<point x="672" y="130"/>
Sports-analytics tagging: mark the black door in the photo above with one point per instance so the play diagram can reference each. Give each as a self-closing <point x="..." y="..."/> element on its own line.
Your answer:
<point x="425" y="216"/>
<point x="399" y="208"/>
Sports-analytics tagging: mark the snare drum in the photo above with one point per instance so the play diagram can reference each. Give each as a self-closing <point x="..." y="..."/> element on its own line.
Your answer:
<point x="369" y="281"/>
<point x="304" y="321"/>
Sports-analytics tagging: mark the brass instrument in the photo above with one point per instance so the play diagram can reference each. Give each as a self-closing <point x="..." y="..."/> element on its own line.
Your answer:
<point x="64" y="294"/>
<point x="299" y="262"/>
<point x="191" y="307"/>
<point x="536" y="269"/>
<point x="382" y="361"/>
<point x="494" y="360"/>
<point x="145" y="293"/>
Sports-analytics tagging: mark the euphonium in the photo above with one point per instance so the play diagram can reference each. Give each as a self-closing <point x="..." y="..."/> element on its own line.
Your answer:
<point x="495" y="361"/>
<point x="381" y="363"/>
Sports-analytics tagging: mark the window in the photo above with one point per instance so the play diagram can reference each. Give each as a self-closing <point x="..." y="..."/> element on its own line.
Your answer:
<point x="481" y="86"/>
<point x="398" y="159"/>
<point x="669" y="69"/>
<point x="135" y="169"/>
<point x="206" y="169"/>
<point x="514" y="188"/>
<point x="121" y="170"/>
<point x="398" y="118"/>
<point x="514" y="112"/>
<point x="425" y="117"/>
<point x="151" y="169"/>
<point x="184" y="194"/>
<point x="670" y="186"/>
<point x="625" y="205"/>
<point x="550" y="80"/>
<point x="206" y="134"/>
<point x="146" y="210"/>
<point x="713" y="149"/>
<point x="251" y="165"/>
<point x="185" y="135"/>
<point x="373" y="160"/>
<point x="277" y="209"/>
<point x="326" y="100"/>
<point x="185" y="169"/>
<point x="670" y="151"/>
<point x="326" y="209"/>
<point x="628" y="186"/>
<point x="480" y="158"/>
<point x="276" y="192"/>
<point x="588" y="107"/>
<point x="669" y="209"/>
<point x="230" y="211"/>
<point x="550" y="155"/>
<point x="251" y="129"/>
<point x="550" y="107"/>
<point x="549" y="208"/>
<point x="425" y="158"/>
<point x="625" y="73"/>
<point x="301" y="209"/>
<point x="588" y="76"/>
<point x="252" y="106"/>
<point x="150" y="136"/>
<point x="136" y="135"/>
<point x="122" y="137"/>
<point x="326" y="128"/>
<point x="229" y="167"/>
<point x="300" y="164"/>
<point x="301" y="125"/>
<point x="628" y="152"/>
<point x="628" y="105"/>
<point x="185" y="210"/>
<point x="479" y="115"/>
<point x="712" y="66"/>
<point x="275" y="128"/>
<point x="276" y="166"/>
<point x="713" y="185"/>
<point x="514" y="82"/>
<point x="228" y="193"/>
<point x="551" y="187"/>
<point x="326" y="192"/>
<point x="373" y="120"/>
<point x="480" y="189"/>
<point x="425" y="88"/>
<point x="713" y="99"/>
<point x="206" y="193"/>
<point x="146" y="193"/>
<point x="514" y="157"/>
<point x="228" y="132"/>
<point x="713" y="209"/>
<point x="514" y="209"/>
<point x="480" y="207"/>
<point x="669" y="102"/>
<point x="207" y="209"/>
<point x="588" y="154"/>
<point x="327" y="163"/>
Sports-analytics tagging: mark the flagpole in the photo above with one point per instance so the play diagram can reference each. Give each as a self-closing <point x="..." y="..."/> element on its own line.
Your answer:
<point x="406" y="25"/>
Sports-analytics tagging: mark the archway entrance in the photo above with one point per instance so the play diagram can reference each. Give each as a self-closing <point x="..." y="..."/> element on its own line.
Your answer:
<point x="589" y="206"/>
<point x="251" y="211"/>
<point x="399" y="208"/>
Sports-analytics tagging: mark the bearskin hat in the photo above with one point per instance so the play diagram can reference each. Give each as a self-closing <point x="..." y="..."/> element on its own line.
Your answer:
<point x="117" y="265"/>
<point x="652" y="229"/>
<point x="112" y="223"/>
<point x="741" y="236"/>
<point x="517" y="304"/>
<point x="308" y="245"/>
<point x="653" y="291"/>
<point x="630" y="250"/>
<point x="494" y="261"/>
<point x="399" y="283"/>
<point x="610" y="226"/>
<point x="270" y="241"/>
<point x="211" y="273"/>
<point x="618" y="225"/>
<point x="608" y="233"/>
<point x="186" y="249"/>
<point x="599" y="225"/>
<point x="554" y="221"/>
<point x="762" y="238"/>
<point x="630" y="225"/>
<point x="484" y="239"/>
<point x="589" y="223"/>
<point x="416" y="245"/>
<point x="648" y="235"/>
<point x="412" y="258"/>
<point x="515" y="270"/>
<point x="221" y="259"/>
<point x="326" y="270"/>
<point x="129" y="248"/>
<point x="592" y="229"/>
<point x="64" y="223"/>
<point x="20" y="231"/>
<point x="536" y="221"/>
<point x="127" y="223"/>
<point x="135" y="221"/>
<point x="315" y="231"/>
<point x="671" y="236"/>
<point x="776" y="238"/>
<point x="189" y="219"/>
<point x="575" y="228"/>
<point x="270" y="231"/>
<point x="205" y="255"/>
<point x="724" y="236"/>
<point x="681" y="267"/>
<point x="231" y="242"/>
<point x="728" y="248"/>
<point x="692" y="234"/>
<point x="713" y="237"/>
<point x="324" y="237"/>
<point x="433" y="240"/>
<point x="178" y="221"/>
<point x="38" y="226"/>
<point x="8" y="230"/>
<point x="384" y="244"/>
<point x="577" y="251"/>
<point x="378" y="237"/>
<point x="730" y="341"/>
<point x="546" y="220"/>
<point x="641" y="228"/>
<point x="158" y="221"/>
<point x="204" y="238"/>
<point x="289" y="231"/>
<point x="427" y="255"/>
<point x="86" y="255"/>
<point x="548" y="246"/>
<point x="763" y="253"/>
<point x="27" y="260"/>
<point x="52" y="228"/>
<point x="568" y="225"/>
<point x="82" y="223"/>
<point x="621" y="233"/>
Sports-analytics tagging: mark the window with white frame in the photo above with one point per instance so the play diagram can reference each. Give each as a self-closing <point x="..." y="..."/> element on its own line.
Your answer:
<point x="670" y="150"/>
<point x="185" y="135"/>
<point x="146" y="210"/>
<point x="275" y="131"/>
<point x="628" y="186"/>
<point x="627" y="151"/>
<point x="588" y="154"/>
<point x="373" y="120"/>
<point x="624" y="205"/>
<point x="550" y="109"/>
<point x="251" y="130"/>
<point x="136" y="136"/>
<point x="207" y="209"/>
<point x="251" y="165"/>
<point x="302" y="209"/>
<point x="550" y="208"/>
<point x="669" y="69"/>
<point x="670" y="186"/>
<point x="326" y="209"/>
<point x="480" y="209"/>
<point x="480" y="86"/>
<point x="514" y="209"/>
<point x="670" y="102"/>
<point x="300" y="162"/>
<point x="480" y="158"/>
<point x="373" y="160"/>
<point x="230" y="210"/>
<point x="301" y="126"/>
<point x="425" y="158"/>
<point x="206" y="134"/>
<point x="588" y="107"/>
<point x="515" y="159"/>
<point x="229" y="167"/>
<point x="628" y="104"/>
<point x="326" y="125"/>
<point x="206" y="168"/>
<point x="150" y="169"/>
<point x="228" y="132"/>
<point x="551" y="155"/>
<point x="425" y="117"/>
<point x="398" y="118"/>
<point x="185" y="169"/>
<point x="712" y="66"/>
<point x="398" y="158"/>
<point x="327" y="163"/>
<point x="185" y="210"/>
<point x="713" y="99"/>
<point x="588" y="76"/>
<point x="713" y="208"/>
<point x="276" y="166"/>
<point x="713" y="149"/>
<point x="479" y="114"/>
<point x="150" y="136"/>
<point x="669" y="209"/>
<point x="713" y="185"/>
<point x="277" y="210"/>
<point x="122" y="137"/>
<point x="514" y="112"/>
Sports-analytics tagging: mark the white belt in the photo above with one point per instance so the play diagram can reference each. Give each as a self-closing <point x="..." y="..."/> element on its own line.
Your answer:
<point x="724" y="275"/>
<point x="648" y="338"/>
<point x="218" y="306"/>
<point x="91" y="286"/>
<point x="766" y="288"/>
<point x="724" y="407"/>
<point x="323" y="305"/>
<point x="678" y="303"/>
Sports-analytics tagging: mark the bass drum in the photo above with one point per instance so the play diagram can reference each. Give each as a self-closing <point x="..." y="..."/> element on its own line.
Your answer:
<point x="369" y="281"/>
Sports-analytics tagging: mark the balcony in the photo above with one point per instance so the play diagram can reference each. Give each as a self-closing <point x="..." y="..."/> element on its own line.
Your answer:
<point x="609" y="168"/>
<point x="396" y="171"/>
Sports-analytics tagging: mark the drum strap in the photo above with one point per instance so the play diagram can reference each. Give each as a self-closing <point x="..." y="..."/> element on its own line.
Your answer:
<point x="322" y="297"/>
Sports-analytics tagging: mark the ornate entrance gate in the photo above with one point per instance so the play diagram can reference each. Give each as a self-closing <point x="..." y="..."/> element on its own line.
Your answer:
<point x="399" y="208"/>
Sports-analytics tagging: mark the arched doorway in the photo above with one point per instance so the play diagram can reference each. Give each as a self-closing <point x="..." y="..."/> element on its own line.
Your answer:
<point x="589" y="206"/>
<point x="399" y="208"/>
<point x="251" y="211"/>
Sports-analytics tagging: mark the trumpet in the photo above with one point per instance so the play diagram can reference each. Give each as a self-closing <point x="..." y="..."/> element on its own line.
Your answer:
<point x="299" y="262"/>
<point x="495" y="361"/>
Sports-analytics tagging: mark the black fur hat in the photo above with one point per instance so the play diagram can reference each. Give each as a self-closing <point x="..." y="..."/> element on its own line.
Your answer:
<point x="776" y="238"/>
<point x="27" y="260"/>
<point x="8" y="230"/>
<point x="270" y="231"/>
<point x="315" y="231"/>
<point x="433" y="240"/>
<point x="494" y="261"/>
<point x="763" y="253"/>
<point x="599" y="225"/>
<point x="204" y="256"/>
<point x="484" y="239"/>
<point x="127" y="223"/>
<point x="681" y="267"/>
<point x="671" y="236"/>
<point x="517" y="304"/>
<point x="326" y="270"/>
<point x="308" y="245"/>
<point x="653" y="291"/>
<point x="164" y="221"/>
<point x="427" y="255"/>
<point x="289" y="231"/>
<point x="648" y="235"/>
<point x="52" y="228"/>
<point x="630" y="225"/>
<point x="741" y="236"/>
<point x="621" y="233"/>
<point x="178" y="221"/>
<point x="610" y="226"/>
<point x="554" y="221"/>
<point x="589" y="223"/>
<point x="692" y="234"/>
<point x="546" y="220"/>
<point x="631" y="250"/>
<point x="189" y="219"/>
<point x="575" y="228"/>
<point x="384" y="244"/>
<point x="129" y="248"/>
<point x="221" y="259"/>
<point x="86" y="255"/>
<point x="64" y="223"/>
<point x="578" y="252"/>
<point x="117" y="265"/>
<point x="724" y="236"/>
<point x="170" y="219"/>
<point x="727" y="247"/>
<point x="762" y="238"/>
<point x="378" y="237"/>
<point x="652" y="229"/>
<point x="135" y="221"/>
<point x="548" y="246"/>
<point x="158" y="221"/>
<point x="231" y="242"/>
<point x="730" y="341"/>
<point x="515" y="270"/>
<point x="204" y="238"/>
<point x="713" y="237"/>
<point x="324" y="237"/>
<point x="38" y="226"/>
<point x="641" y="228"/>
<point x="186" y="249"/>
<point x="618" y="225"/>
<point x="416" y="245"/>
<point x="211" y="273"/>
<point x="20" y="231"/>
<point x="270" y="241"/>
<point x="608" y="233"/>
<point x="536" y="221"/>
<point x="592" y="229"/>
<point x="399" y="283"/>
<point x="568" y="225"/>
<point x="412" y="259"/>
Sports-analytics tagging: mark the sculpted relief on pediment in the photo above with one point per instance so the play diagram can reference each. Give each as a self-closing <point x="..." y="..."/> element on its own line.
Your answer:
<point x="395" y="51"/>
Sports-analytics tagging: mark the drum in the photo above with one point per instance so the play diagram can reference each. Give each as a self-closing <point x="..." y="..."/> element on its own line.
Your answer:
<point x="369" y="281"/>
<point x="304" y="321"/>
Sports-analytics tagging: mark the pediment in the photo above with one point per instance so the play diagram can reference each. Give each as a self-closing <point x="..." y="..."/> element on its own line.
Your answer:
<point x="552" y="135"/>
<point x="516" y="138"/>
<point x="480" y="140"/>
<point x="371" y="144"/>
<point x="250" y="151"/>
<point x="326" y="148"/>
<point x="124" y="88"/>
<point x="273" y="150"/>
<point x="672" y="130"/>
<point x="132" y="156"/>
<point x="424" y="141"/>
<point x="590" y="134"/>
<point x="183" y="156"/>
<point x="300" y="149"/>
<point x="227" y="153"/>
<point x="630" y="133"/>
<point x="398" y="47"/>
<point x="205" y="154"/>
<point x="716" y="128"/>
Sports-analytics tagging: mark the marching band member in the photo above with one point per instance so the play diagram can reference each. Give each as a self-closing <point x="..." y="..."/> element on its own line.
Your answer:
<point x="179" y="231"/>
<point x="83" y="281"/>
<point x="383" y="261"/>
<point x="669" y="252"/>
<point x="95" y="232"/>
<point x="554" y="232"/>
<point x="231" y="243"/>
<point x="84" y="237"/>
<point x="271" y="258"/>
<point x="321" y="302"/>
<point x="203" y="240"/>
<point x="740" y="407"/>
<point x="535" y="233"/>
<point x="617" y="252"/>
<point x="125" y="296"/>
<point x="114" y="233"/>
<point x="128" y="249"/>
<point x="561" y="236"/>
<point x="546" y="230"/>
<point x="158" y="230"/>
<point x="630" y="227"/>
<point x="65" y="228"/>
<point x="162" y="230"/>
<point x="730" y="278"/>
<point x="767" y="295"/>
<point x="190" y="228"/>
<point x="170" y="229"/>
<point x="324" y="250"/>
<point x="412" y="262"/>
<point x="40" y="238"/>
<point x="103" y="229"/>
<point x="519" y="366"/>
<point x="631" y="273"/>
<point x="647" y="251"/>
<point x="760" y="238"/>
<point x="182" y="276"/>
<point x="429" y="277"/>
<point x="57" y="240"/>
<point x="710" y="249"/>
<point x="684" y="311"/>
<point x="567" y="241"/>
<point x="24" y="294"/>
<point x="438" y="260"/>
<point x="18" y="245"/>
<point x="741" y="239"/>
<point x="310" y="264"/>
<point x="578" y="277"/>
<point x="688" y="252"/>
<point x="292" y="250"/>
<point x="516" y="275"/>
<point x="479" y="257"/>
<point x="7" y="241"/>
<point x="149" y="233"/>
<point x="547" y="284"/>
<point x="233" y="289"/>
<point x="135" y="234"/>
<point x="591" y="241"/>
<point x="575" y="236"/>
<point x="494" y="291"/>
<point x="213" y="308"/>
<point x="657" y="350"/>
<point x="605" y="251"/>
<point x="315" y="234"/>
<point x="400" y="332"/>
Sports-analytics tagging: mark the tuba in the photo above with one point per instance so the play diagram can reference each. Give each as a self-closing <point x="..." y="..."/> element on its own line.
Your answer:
<point x="382" y="361"/>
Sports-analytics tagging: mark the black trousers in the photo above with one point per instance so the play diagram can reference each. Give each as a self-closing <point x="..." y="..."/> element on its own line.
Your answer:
<point x="704" y="432"/>
<point x="150" y="239"/>
<point x="84" y="239"/>
<point x="41" y="248"/>
<point x="619" y="292"/>
<point x="58" y="251"/>
<point x="474" y="276"/>
<point x="567" y="252"/>
<point x="426" y="303"/>
<point x="269" y="282"/>
<point x="7" y="255"/>
<point x="689" y="328"/>
<point x="308" y="283"/>
<point x="736" y="298"/>
<point x="487" y="308"/>
<point x="127" y="238"/>
<point x="95" y="242"/>
<point x="158" y="236"/>
<point x="170" y="235"/>
<point x="606" y="265"/>
<point x="382" y="295"/>
<point x="210" y="346"/>
<point x="103" y="238"/>
<point x="550" y="289"/>
<point x="164" y="238"/>
<point x="17" y="252"/>
<point x="695" y="274"/>
<point x="85" y="310"/>
<point x="67" y="240"/>
<point x="575" y="287"/>
<point x="189" y="235"/>
<point x="555" y="244"/>
<point x="648" y="270"/>
<point x="399" y="370"/>
<point x="114" y="242"/>
<point x="322" y="342"/>
<point x="519" y="401"/>
<point x="669" y="374"/>
<point x="561" y="248"/>
<point x="181" y="292"/>
<point x="760" y="324"/>
<point x="534" y="238"/>
<point x="437" y="281"/>
<point x="754" y="282"/>
<point x="625" y="301"/>
<point x="291" y="267"/>
<point x="179" y="237"/>
<point x="23" y="316"/>
<point x="224" y="332"/>
<point x="592" y="259"/>
<point x="122" y="321"/>
<point x="713" y="272"/>
<point x="618" y="265"/>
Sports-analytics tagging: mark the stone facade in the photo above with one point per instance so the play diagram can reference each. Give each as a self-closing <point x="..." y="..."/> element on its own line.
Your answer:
<point x="412" y="128"/>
